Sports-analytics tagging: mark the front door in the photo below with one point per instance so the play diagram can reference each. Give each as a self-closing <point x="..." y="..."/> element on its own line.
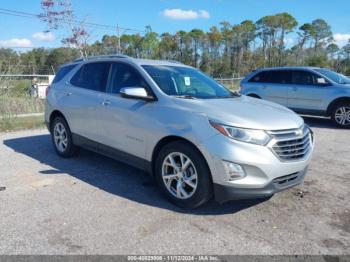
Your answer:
<point x="124" y="120"/>
<point x="305" y="93"/>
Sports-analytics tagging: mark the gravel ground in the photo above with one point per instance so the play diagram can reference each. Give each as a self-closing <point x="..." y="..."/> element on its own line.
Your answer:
<point x="94" y="205"/>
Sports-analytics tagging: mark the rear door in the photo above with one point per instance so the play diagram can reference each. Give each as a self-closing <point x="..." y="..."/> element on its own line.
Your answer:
<point x="305" y="94"/>
<point x="272" y="85"/>
<point x="83" y="98"/>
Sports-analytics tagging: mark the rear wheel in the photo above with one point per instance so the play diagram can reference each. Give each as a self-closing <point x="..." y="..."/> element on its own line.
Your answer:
<point x="62" y="138"/>
<point x="341" y="114"/>
<point x="183" y="175"/>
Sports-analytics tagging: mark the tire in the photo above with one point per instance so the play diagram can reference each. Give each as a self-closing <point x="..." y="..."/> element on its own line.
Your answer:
<point x="62" y="138"/>
<point x="340" y="114"/>
<point x="199" y="190"/>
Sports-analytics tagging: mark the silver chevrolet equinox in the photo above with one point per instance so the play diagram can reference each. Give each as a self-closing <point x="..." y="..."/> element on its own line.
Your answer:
<point x="197" y="138"/>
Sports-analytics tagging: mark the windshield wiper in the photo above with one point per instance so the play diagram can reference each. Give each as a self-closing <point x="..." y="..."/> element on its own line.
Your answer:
<point x="235" y="93"/>
<point x="232" y="94"/>
<point x="186" y="97"/>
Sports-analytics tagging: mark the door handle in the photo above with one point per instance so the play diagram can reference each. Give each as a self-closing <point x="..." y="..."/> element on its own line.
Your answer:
<point x="106" y="103"/>
<point x="67" y="93"/>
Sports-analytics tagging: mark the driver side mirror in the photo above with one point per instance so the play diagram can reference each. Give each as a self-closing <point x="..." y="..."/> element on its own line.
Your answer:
<point x="136" y="93"/>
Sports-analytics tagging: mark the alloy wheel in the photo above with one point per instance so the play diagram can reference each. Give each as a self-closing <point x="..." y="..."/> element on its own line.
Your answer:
<point x="342" y="116"/>
<point x="179" y="175"/>
<point x="60" y="137"/>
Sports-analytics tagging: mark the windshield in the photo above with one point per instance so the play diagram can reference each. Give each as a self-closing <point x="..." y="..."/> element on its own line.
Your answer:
<point x="186" y="82"/>
<point x="336" y="77"/>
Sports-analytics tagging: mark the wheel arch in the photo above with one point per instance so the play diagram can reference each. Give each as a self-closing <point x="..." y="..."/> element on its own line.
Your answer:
<point x="173" y="138"/>
<point x="53" y="115"/>
<point x="253" y="95"/>
<point x="335" y="102"/>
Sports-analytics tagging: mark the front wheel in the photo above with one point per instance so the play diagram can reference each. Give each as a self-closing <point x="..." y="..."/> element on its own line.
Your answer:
<point x="341" y="115"/>
<point x="183" y="175"/>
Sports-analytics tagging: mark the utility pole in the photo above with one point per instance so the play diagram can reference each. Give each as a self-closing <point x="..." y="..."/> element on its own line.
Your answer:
<point x="118" y="35"/>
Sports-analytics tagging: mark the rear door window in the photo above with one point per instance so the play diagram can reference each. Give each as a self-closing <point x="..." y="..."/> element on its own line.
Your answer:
<point x="274" y="76"/>
<point x="280" y="77"/>
<point x="92" y="76"/>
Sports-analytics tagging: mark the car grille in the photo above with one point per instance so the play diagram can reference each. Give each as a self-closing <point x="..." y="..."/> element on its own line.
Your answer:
<point x="292" y="144"/>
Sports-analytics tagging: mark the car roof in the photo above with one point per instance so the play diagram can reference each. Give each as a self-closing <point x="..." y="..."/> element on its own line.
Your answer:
<point x="288" y="68"/>
<point x="127" y="58"/>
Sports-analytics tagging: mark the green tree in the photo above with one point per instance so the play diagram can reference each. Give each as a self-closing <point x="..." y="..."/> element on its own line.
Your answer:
<point x="149" y="43"/>
<point x="322" y="33"/>
<point x="197" y="36"/>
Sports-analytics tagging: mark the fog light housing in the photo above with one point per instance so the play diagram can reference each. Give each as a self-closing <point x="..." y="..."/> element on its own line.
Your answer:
<point x="233" y="171"/>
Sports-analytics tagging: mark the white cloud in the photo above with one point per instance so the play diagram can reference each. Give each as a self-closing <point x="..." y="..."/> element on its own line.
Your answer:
<point x="180" y="14"/>
<point x="44" y="36"/>
<point x="16" y="42"/>
<point x="341" y="39"/>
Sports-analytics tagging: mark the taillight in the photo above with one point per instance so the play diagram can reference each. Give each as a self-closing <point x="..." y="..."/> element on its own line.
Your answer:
<point x="47" y="90"/>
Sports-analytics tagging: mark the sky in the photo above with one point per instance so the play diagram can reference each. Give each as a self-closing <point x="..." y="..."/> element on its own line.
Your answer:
<point x="166" y="16"/>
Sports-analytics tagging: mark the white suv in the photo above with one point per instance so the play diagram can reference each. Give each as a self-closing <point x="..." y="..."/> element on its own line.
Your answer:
<point x="197" y="138"/>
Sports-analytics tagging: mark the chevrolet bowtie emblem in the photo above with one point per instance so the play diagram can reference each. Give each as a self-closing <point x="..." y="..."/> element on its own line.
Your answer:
<point x="299" y="132"/>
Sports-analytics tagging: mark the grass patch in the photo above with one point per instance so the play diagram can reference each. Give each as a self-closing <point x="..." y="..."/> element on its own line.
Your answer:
<point x="10" y="105"/>
<point x="8" y="124"/>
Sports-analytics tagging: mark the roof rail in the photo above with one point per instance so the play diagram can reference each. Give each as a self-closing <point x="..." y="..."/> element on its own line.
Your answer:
<point x="101" y="57"/>
<point x="174" y="61"/>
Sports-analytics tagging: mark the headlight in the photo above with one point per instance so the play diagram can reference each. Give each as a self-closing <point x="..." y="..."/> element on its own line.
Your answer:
<point x="253" y="136"/>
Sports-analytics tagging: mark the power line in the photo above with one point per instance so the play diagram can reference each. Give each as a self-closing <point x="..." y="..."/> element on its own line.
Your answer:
<point x="96" y="25"/>
<point x="17" y="47"/>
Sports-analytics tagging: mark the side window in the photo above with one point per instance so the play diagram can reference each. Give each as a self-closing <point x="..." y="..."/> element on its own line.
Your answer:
<point x="303" y="78"/>
<point x="262" y="77"/>
<point x="280" y="77"/>
<point x="92" y="76"/>
<point x="124" y="75"/>
<point x="62" y="72"/>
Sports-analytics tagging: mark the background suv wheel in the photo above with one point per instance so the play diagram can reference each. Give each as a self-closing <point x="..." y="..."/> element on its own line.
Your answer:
<point x="341" y="114"/>
<point x="62" y="138"/>
<point x="183" y="175"/>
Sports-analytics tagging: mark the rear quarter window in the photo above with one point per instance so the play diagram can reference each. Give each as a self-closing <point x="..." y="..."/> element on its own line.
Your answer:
<point x="62" y="72"/>
<point x="262" y="77"/>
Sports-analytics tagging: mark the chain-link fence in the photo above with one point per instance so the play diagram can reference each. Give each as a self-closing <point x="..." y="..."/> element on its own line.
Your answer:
<point x="22" y="94"/>
<point x="22" y="100"/>
<point x="230" y="83"/>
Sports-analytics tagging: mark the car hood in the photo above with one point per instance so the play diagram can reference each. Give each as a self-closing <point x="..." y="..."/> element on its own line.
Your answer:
<point x="245" y="112"/>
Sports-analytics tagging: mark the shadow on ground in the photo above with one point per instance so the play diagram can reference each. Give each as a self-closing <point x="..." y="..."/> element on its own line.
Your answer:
<point x="319" y="122"/>
<point x="111" y="176"/>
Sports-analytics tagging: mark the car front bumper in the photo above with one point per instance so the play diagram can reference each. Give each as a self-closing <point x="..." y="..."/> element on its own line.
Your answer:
<point x="225" y="193"/>
<point x="265" y="173"/>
